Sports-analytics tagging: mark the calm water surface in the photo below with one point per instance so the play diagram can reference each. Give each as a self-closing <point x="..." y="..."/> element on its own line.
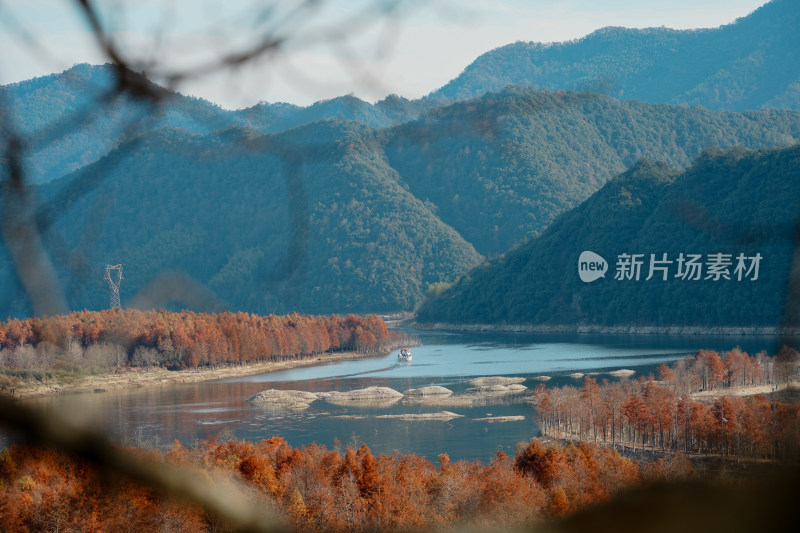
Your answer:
<point x="155" y="416"/>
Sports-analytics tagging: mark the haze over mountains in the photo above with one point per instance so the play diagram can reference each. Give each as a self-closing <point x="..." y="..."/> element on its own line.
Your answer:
<point x="350" y="206"/>
<point x="72" y="119"/>
<point x="753" y="63"/>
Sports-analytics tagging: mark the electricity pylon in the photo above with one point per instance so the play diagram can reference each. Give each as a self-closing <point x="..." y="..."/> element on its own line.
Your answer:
<point x="114" y="282"/>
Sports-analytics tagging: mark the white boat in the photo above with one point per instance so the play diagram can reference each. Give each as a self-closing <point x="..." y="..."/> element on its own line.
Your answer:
<point x="404" y="355"/>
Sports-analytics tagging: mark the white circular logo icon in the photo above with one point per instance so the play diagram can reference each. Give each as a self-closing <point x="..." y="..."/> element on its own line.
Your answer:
<point x="591" y="266"/>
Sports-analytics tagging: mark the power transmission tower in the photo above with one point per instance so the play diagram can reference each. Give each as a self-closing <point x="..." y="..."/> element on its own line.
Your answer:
<point x="114" y="281"/>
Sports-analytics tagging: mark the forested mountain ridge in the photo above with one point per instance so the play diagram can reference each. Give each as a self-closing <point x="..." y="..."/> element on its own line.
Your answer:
<point x="277" y="117"/>
<point x="336" y="216"/>
<point x="499" y="168"/>
<point x="752" y="63"/>
<point x="71" y="120"/>
<point x="732" y="203"/>
<point x="309" y="219"/>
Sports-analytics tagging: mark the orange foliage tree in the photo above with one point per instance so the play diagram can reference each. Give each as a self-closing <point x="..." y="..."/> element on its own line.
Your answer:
<point x="188" y="340"/>
<point x="647" y="414"/>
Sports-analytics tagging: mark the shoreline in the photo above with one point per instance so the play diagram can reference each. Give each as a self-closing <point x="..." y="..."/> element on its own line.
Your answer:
<point x="140" y="378"/>
<point x="747" y="391"/>
<point x="610" y="330"/>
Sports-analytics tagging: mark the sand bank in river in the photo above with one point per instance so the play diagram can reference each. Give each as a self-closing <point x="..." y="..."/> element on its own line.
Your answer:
<point x="441" y="416"/>
<point x="296" y="399"/>
<point x="498" y="389"/>
<point x="287" y="399"/>
<point x="374" y="396"/>
<point x="494" y="380"/>
<point x="484" y="395"/>
<point x="621" y="373"/>
<point x="433" y="390"/>
<point x="492" y="419"/>
<point x="385" y="396"/>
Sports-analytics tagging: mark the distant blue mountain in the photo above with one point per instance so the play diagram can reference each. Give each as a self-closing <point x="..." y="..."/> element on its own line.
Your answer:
<point x="753" y="63"/>
<point x="70" y="119"/>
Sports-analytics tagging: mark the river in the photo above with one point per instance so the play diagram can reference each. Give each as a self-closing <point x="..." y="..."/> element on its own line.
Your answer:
<point x="156" y="415"/>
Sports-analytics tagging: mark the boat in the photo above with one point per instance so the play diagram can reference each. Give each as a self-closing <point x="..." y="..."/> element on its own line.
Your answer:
<point x="404" y="355"/>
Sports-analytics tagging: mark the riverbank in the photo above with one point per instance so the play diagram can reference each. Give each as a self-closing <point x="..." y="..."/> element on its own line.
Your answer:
<point x="782" y="391"/>
<point x="138" y="378"/>
<point x="608" y="330"/>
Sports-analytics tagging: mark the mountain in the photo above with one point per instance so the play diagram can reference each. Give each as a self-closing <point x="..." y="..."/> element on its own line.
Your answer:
<point x="499" y="168"/>
<point x="74" y="118"/>
<point x="71" y="119"/>
<point x="309" y="219"/>
<point x="753" y="63"/>
<point x="733" y="203"/>
<point x="274" y="118"/>
<point x="336" y="216"/>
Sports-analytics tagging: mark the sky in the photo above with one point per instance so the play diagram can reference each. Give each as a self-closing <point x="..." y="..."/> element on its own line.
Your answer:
<point x="316" y="49"/>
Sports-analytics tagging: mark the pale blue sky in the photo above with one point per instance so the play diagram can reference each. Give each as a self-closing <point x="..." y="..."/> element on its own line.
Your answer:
<point x="415" y="49"/>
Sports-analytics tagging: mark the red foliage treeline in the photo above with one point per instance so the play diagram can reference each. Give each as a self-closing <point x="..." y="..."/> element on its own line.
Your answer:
<point x="662" y="414"/>
<point x="319" y="489"/>
<point x="188" y="340"/>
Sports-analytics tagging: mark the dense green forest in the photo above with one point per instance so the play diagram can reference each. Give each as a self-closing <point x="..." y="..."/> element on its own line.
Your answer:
<point x="499" y="168"/>
<point x="732" y="203"/>
<point x="751" y="63"/>
<point x="312" y="219"/>
<point x="336" y="216"/>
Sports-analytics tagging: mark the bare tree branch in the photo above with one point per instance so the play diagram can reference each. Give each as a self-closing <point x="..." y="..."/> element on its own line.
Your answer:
<point x="224" y="499"/>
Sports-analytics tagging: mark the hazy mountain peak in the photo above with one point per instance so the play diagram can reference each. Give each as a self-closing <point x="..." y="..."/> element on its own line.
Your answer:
<point x="751" y="63"/>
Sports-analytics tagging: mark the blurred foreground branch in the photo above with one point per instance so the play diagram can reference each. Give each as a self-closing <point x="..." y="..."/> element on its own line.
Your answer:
<point x="222" y="498"/>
